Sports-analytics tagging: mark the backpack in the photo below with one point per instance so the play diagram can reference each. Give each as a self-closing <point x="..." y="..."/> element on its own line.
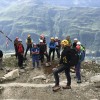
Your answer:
<point x="73" y="57"/>
<point x="20" y="49"/>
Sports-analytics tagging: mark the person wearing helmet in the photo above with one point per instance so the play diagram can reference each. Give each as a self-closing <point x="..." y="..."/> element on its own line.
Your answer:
<point x="58" y="46"/>
<point x="42" y="37"/>
<point x="69" y="40"/>
<point x="29" y="43"/>
<point x="63" y="66"/>
<point x="20" y="49"/>
<point x="43" y="51"/>
<point x="15" y="46"/>
<point x="75" y="43"/>
<point x="35" y="55"/>
<point x="52" y="47"/>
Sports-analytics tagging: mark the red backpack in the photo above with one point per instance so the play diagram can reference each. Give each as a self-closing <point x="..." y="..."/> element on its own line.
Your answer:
<point x="20" y="48"/>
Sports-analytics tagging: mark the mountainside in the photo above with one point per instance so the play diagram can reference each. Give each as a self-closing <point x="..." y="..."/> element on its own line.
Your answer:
<point x="35" y="17"/>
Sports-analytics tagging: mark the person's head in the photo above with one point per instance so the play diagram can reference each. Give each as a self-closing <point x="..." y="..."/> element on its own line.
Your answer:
<point x="78" y="47"/>
<point x="52" y="39"/>
<point x="42" y="36"/>
<point x="17" y="38"/>
<point x="41" y="41"/>
<point x="79" y="43"/>
<point x="64" y="43"/>
<point x="56" y="38"/>
<point x="29" y="35"/>
<point x="34" y="45"/>
<point x="68" y="38"/>
<point x="19" y="41"/>
<point x="75" y="40"/>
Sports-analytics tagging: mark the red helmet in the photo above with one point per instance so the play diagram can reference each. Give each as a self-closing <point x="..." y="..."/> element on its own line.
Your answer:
<point x="78" y="47"/>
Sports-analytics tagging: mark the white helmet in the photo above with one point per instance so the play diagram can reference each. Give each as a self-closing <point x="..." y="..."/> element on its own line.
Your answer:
<point x="78" y="43"/>
<point x="75" y="39"/>
<point x="41" y="40"/>
<point x="56" y="37"/>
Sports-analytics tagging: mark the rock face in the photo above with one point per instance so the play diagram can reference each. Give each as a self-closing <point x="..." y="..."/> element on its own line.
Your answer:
<point x="61" y="21"/>
<point x="95" y="78"/>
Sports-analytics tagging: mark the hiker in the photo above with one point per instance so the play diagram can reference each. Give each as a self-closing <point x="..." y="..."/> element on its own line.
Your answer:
<point x="35" y="55"/>
<point x="43" y="51"/>
<point x="75" y="43"/>
<point x="69" y="40"/>
<point x="1" y="57"/>
<point x="78" y="66"/>
<point x="63" y="66"/>
<point x="58" y="46"/>
<point x="42" y="37"/>
<point x="29" y="43"/>
<point x="20" y="49"/>
<point x="52" y="47"/>
<point x="15" y="46"/>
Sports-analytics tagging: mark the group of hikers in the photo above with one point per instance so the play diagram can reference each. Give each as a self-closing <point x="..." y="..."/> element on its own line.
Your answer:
<point x="72" y="55"/>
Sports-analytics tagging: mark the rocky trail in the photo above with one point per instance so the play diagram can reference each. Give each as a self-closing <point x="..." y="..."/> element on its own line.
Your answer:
<point x="37" y="84"/>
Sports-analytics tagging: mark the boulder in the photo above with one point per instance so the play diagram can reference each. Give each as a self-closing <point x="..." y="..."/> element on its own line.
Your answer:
<point x="95" y="78"/>
<point x="12" y="75"/>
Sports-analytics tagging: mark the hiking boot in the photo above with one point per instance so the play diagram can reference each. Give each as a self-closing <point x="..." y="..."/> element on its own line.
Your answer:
<point x="56" y="88"/>
<point x="66" y="87"/>
<point x="79" y="81"/>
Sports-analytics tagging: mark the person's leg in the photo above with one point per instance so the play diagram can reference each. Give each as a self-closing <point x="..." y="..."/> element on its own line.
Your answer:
<point x="50" y="54"/>
<point x="53" y="54"/>
<point x="55" y="72"/>
<point x="30" y="50"/>
<point x="67" y="73"/>
<point x="33" y="61"/>
<point x="26" y="50"/>
<point x="77" y="68"/>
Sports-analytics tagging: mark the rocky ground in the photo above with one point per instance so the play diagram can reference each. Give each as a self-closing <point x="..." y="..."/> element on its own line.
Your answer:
<point x="36" y="84"/>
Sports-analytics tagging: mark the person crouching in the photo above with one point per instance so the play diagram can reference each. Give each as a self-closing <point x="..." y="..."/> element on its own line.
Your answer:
<point x="35" y="55"/>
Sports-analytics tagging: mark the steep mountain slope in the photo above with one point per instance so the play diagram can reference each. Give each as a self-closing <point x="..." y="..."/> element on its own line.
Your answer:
<point x="34" y="17"/>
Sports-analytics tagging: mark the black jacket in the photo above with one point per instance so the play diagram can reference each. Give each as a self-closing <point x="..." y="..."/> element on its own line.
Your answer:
<point x="65" y="57"/>
<point x="1" y="54"/>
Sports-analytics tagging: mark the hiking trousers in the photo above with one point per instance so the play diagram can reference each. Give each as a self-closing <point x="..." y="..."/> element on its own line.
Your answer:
<point x="64" y="68"/>
<point x="29" y="47"/>
<point x="78" y="70"/>
<point x="58" y="52"/>
<point x="20" y="60"/>
<point x="50" y="51"/>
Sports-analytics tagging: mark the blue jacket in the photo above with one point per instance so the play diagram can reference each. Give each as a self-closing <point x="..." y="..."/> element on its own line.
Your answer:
<point x="35" y="50"/>
<point x="52" y="45"/>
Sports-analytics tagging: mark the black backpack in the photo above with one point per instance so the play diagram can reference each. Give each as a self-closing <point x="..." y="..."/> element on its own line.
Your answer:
<point x="73" y="57"/>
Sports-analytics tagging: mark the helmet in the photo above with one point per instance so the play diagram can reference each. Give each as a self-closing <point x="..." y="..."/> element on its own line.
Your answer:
<point x="78" y="43"/>
<point x="75" y="39"/>
<point x="41" y="40"/>
<point x="16" y="37"/>
<point x="29" y="35"/>
<point x="65" y="42"/>
<point x="56" y="37"/>
<point x="19" y="40"/>
<point x="52" y="38"/>
<point x="34" y="44"/>
<point x="42" y="35"/>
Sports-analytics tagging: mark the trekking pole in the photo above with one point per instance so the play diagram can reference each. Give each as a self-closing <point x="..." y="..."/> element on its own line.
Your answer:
<point x="6" y="36"/>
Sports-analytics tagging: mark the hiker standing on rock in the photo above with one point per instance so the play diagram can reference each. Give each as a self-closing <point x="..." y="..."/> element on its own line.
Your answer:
<point x="1" y="56"/>
<point x="15" y="46"/>
<point x="58" y="46"/>
<point x="35" y="55"/>
<point x="43" y="51"/>
<point x="20" y="49"/>
<point x="29" y="43"/>
<point x="63" y="66"/>
<point x="52" y="47"/>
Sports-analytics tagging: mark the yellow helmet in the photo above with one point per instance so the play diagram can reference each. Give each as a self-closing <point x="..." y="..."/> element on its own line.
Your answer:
<point x="65" y="42"/>
<point x="52" y="38"/>
<point x="29" y="35"/>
